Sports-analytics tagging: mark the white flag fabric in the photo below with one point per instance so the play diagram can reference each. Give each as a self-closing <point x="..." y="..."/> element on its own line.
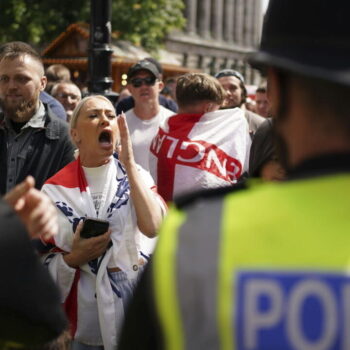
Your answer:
<point x="195" y="151"/>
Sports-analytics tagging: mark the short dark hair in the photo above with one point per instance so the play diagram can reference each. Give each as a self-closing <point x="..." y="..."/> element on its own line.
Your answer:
<point x="195" y="87"/>
<point x="57" y="73"/>
<point x="262" y="89"/>
<point x="14" y="49"/>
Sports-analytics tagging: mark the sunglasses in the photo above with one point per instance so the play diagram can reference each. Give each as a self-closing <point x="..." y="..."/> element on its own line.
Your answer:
<point x="137" y="82"/>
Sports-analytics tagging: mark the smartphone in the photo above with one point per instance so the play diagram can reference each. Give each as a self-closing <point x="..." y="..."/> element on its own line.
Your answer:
<point x="94" y="227"/>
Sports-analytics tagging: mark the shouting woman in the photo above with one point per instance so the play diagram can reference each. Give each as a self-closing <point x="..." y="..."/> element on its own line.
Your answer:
<point x="97" y="274"/>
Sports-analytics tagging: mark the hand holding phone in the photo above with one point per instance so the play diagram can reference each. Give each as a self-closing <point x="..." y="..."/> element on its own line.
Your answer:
<point x="93" y="227"/>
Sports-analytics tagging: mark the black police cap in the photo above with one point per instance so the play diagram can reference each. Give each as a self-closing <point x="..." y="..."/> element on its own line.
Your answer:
<point x="310" y="37"/>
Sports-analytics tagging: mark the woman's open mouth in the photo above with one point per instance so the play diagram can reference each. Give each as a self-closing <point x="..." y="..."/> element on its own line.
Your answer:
<point x="105" y="139"/>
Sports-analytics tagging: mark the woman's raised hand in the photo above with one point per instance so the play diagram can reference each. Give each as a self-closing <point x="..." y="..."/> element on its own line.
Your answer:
<point x="124" y="149"/>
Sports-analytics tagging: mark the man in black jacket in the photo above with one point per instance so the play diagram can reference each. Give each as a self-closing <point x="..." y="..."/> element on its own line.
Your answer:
<point x="33" y="141"/>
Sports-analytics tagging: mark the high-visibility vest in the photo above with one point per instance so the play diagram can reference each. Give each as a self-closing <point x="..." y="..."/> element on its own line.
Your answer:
<point x="265" y="268"/>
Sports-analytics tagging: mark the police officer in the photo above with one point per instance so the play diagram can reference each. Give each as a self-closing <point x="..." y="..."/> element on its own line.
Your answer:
<point x="226" y="277"/>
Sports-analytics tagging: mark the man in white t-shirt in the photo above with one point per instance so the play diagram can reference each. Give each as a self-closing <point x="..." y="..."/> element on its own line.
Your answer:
<point x="144" y="119"/>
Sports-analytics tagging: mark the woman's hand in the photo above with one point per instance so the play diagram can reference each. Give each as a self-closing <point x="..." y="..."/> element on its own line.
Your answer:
<point x="124" y="149"/>
<point x="86" y="249"/>
<point x="148" y="211"/>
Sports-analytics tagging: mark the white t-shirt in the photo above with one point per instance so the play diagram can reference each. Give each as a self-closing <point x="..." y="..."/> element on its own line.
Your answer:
<point x="96" y="178"/>
<point x="142" y="133"/>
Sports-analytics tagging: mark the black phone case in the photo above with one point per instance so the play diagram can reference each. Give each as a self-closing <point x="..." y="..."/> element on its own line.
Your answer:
<point x="94" y="228"/>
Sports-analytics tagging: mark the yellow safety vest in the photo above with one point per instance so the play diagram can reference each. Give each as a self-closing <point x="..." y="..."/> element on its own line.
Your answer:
<point x="265" y="268"/>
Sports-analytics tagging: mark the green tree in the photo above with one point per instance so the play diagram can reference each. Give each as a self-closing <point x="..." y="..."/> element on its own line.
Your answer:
<point x="147" y="22"/>
<point x="143" y="22"/>
<point x="38" y="21"/>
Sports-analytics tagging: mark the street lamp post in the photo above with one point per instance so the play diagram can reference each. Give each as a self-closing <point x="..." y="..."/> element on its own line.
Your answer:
<point x="100" y="51"/>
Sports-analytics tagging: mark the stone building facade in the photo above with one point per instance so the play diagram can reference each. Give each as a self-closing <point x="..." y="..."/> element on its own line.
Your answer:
<point x="219" y="34"/>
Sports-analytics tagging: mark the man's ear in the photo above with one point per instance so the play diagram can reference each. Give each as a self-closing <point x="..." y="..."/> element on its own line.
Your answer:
<point x="43" y="82"/>
<point x="161" y="86"/>
<point x="130" y="88"/>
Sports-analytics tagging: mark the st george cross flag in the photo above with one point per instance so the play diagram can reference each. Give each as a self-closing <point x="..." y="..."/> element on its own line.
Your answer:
<point x="196" y="151"/>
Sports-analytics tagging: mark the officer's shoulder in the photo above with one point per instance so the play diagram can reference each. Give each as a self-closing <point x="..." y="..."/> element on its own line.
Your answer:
<point x="186" y="200"/>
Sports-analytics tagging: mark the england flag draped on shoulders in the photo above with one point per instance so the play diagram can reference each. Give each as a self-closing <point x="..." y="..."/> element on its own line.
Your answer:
<point x="93" y="303"/>
<point x="196" y="151"/>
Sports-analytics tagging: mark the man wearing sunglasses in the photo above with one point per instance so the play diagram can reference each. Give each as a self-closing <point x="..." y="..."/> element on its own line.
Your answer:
<point x="144" y="83"/>
<point x="128" y="103"/>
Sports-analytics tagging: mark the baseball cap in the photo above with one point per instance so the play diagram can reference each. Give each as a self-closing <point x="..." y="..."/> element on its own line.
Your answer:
<point x="144" y="65"/>
<point x="229" y="73"/>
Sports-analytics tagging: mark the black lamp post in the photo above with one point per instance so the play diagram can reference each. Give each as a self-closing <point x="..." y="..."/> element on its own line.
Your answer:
<point x="100" y="51"/>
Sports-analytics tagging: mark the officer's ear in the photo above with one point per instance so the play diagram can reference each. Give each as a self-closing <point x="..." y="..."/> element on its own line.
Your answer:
<point x="273" y="90"/>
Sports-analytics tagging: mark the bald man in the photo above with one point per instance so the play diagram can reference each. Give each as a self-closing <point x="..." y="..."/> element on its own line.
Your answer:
<point x="68" y="94"/>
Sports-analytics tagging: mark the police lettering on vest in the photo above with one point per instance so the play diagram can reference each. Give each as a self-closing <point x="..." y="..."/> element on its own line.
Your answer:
<point x="292" y="310"/>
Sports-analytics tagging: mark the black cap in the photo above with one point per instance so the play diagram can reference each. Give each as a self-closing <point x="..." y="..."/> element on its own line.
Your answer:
<point x="307" y="37"/>
<point x="144" y="65"/>
<point x="229" y="73"/>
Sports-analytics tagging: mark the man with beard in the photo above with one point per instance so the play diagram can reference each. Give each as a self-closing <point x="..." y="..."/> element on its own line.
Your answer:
<point x="33" y="141"/>
<point x="236" y="95"/>
<point x="226" y="278"/>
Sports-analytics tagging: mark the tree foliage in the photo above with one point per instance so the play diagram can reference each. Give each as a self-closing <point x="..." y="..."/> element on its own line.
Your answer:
<point x="38" y="21"/>
<point x="143" y="22"/>
<point x="146" y="22"/>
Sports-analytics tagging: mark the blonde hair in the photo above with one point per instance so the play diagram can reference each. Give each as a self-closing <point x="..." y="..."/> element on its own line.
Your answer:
<point x="77" y="110"/>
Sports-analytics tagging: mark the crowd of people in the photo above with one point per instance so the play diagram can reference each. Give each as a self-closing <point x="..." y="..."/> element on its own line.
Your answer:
<point x="235" y="262"/>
